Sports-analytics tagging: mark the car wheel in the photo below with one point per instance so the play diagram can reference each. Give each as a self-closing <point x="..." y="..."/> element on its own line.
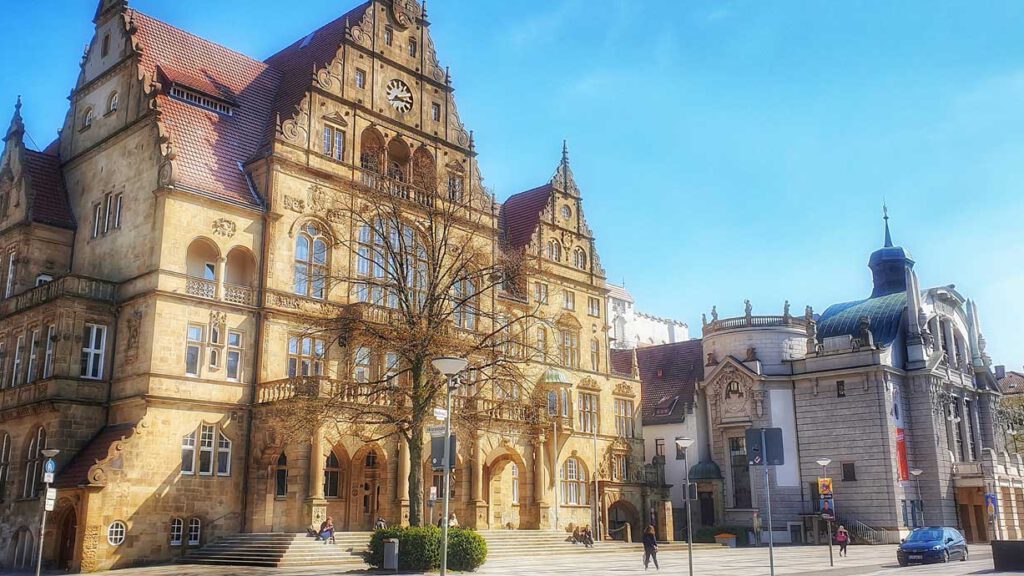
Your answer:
<point x="945" y="556"/>
<point x="963" y="557"/>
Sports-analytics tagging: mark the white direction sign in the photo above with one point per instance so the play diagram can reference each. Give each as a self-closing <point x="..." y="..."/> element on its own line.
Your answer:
<point x="440" y="413"/>
<point x="51" y="499"/>
<point x="47" y="477"/>
<point x="50" y="505"/>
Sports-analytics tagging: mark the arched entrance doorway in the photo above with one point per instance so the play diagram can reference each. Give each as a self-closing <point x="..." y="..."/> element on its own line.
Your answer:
<point x="67" y="535"/>
<point x="621" y="513"/>
<point x="369" y="488"/>
<point x="508" y="491"/>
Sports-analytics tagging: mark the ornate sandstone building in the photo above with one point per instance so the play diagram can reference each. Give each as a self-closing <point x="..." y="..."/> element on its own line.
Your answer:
<point x="162" y="258"/>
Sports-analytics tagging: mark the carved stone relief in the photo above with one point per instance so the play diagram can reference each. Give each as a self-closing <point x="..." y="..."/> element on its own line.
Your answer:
<point x="294" y="204"/>
<point x="224" y="227"/>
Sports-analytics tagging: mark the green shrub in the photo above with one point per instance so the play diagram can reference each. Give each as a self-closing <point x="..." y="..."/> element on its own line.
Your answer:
<point x="419" y="548"/>
<point x="467" y="550"/>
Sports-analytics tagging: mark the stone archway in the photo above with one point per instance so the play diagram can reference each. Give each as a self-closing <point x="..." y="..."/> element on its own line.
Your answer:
<point x="369" y="488"/>
<point x="622" y="512"/>
<point x="67" y="536"/>
<point x="508" y="490"/>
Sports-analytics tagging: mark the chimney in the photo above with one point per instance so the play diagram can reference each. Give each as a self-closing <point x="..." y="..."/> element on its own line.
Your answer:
<point x="1000" y="372"/>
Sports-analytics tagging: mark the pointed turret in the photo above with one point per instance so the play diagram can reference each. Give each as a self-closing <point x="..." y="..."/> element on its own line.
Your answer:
<point x="16" y="131"/>
<point x="889" y="265"/>
<point x="563" y="179"/>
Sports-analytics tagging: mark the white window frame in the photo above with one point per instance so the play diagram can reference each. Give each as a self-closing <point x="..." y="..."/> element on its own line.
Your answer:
<point x="223" y="448"/>
<point x="16" y="365"/>
<point x="303" y="359"/>
<point x="589" y="410"/>
<point x="207" y="445"/>
<point x="33" y="357"/>
<point x="195" y="531"/>
<point x="106" y="212"/>
<point x="196" y="344"/>
<point x="235" y="355"/>
<point x="435" y="111"/>
<point x="177" y="529"/>
<point x="568" y="299"/>
<point x="540" y="292"/>
<point x="118" y="198"/>
<point x="515" y="483"/>
<point x="188" y="444"/>
<point x="12" y="269"/>
<point x="89" y="353"/>
<point x="594" y="307"/>
<point x="97" y="216"/>
<point x="117" y="532"/>
<point x="360" y="78"/>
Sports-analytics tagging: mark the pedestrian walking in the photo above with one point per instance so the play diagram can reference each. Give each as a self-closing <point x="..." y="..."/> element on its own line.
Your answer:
<point x="843" y="539"/>
<point x="650" y="548"/>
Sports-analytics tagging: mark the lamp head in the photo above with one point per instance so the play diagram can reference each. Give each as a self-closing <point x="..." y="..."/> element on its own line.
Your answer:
<point x="684" y="443"/>
<point x="916" y="472"/>
<point x="50" y="452"/>
<point x="449" y="366"/>
<point x="823" y="461"/>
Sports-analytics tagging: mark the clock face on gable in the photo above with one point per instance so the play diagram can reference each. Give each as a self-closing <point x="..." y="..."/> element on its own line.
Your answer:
<point x="399" y="96"/>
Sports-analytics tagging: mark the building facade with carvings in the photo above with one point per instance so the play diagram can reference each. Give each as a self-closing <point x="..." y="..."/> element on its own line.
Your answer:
<point x="895" y="390"/>
<point x="160" y="266"/>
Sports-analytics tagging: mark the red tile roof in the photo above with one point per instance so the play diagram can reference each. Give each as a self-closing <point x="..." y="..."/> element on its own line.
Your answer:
<point x="296" y="62"/>
<point x="1012" y="383"/>
<point x="621" y="361"/>
<point x="669" y="374"/>
<point x="49" y="198"/>
<point x="520" y="215"/>
<point x="76" y="472"/>
<point x="209" y="146"/>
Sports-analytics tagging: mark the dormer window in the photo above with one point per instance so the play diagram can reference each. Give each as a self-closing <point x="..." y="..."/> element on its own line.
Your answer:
<point x="200" y="100"/>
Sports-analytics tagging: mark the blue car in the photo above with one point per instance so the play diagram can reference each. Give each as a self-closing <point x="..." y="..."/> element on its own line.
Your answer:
<point x="932" y="544"/>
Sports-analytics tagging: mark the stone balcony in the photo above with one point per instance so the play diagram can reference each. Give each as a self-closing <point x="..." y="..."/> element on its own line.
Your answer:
<point x="744" y="322"/>
<point x="65" y="286"/>
<point x="230" y="293"/>
<point x="993" y="467"/>
<point x="54" y="388"/>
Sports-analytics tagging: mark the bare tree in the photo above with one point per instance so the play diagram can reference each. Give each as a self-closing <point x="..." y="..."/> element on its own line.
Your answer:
<point x="427" y="278"/>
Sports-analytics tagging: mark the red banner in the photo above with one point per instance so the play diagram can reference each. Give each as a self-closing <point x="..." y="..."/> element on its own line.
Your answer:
<point x="901" y="455"/>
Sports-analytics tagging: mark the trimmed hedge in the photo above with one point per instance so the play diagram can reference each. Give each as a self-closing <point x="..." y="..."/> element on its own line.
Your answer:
<point x="419" y="548"/>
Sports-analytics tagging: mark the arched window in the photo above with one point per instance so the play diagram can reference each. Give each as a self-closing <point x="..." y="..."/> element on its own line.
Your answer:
<point x="87" y="118"/>
<point x="177" y="528"/>
<point x="574" y="482"/>
<point x="566" y="212"/>
<point x="112" y="102"/>
<point x="554" y="250"/>
<point x="34" y="464"/>
<point x="565" y="403"/>
<point x="465" y="297"/>
<point x="116" y="533"/>
<point x="311" y="262"/>
<point x="371" y="153"/>
<point x="281" y="476"/>
<point x="579" y="258"/>
<point x="733" y="389"/>
<point x="195" y="529"/>
<point x="24" y="544"/>
<point x="424" y="170"/>
<point x="515" y="483"/>
<point x="595" y="355"/>
<point x="332" y="476"/>
<point x="5" y="463"/>
<point x="398" y="160"/>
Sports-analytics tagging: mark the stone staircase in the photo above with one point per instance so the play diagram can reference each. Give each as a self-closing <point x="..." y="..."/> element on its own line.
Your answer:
<point x="284" y="550"/>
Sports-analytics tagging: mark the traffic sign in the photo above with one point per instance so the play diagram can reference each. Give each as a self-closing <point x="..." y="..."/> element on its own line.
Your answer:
<point x="440" y="413"/>
<point x="50" y="466"/>
<point x="437" y="453"/>
<point x="47" y="477"/>
<point x="49" y="505"/>
<point x="772" y="451"/>
<point x="51" y="493"/>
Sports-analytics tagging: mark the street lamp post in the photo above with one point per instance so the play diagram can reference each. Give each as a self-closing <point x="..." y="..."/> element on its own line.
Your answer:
<point x="824" y="462"/>
<point x="449" y="367"/>
<point x="683" y="444"/>
<point x="49" y="467"/>
<point x="916" y="473"/>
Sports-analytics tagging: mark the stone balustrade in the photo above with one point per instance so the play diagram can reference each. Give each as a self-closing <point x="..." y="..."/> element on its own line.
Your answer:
<point x="724" y="324"/>
<point x="73" y="286"/>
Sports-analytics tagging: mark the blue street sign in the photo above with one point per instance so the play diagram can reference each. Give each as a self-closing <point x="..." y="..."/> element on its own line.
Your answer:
<point x="50" y="466"/>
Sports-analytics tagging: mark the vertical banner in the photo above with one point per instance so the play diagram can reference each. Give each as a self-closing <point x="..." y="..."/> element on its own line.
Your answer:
<point x="991" y="505"/>
<point x="903" y="469"/>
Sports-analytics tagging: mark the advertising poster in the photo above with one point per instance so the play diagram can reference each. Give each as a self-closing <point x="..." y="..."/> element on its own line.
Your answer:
<point x="902" y="468"/>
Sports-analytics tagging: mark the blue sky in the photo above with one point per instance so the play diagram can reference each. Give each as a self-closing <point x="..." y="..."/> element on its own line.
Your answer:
<point x="726" y="149"/>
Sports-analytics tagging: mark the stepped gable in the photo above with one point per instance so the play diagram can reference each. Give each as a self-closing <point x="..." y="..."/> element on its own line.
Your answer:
<point x="49" y="204"/>
<point x="300" y="60"/>
<point x="208" y="147"/>
<point x="520" y="216"/>
<point x="669" y="374"/>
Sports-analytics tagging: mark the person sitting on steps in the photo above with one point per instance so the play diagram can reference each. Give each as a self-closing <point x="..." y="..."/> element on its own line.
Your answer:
<point x="326" y="532"/>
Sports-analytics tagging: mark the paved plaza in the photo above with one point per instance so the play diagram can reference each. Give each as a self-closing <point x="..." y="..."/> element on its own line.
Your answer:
<point x="804" y="560"/>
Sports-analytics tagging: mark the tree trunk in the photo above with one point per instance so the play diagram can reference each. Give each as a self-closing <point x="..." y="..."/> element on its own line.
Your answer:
<point x="416" y="474"/>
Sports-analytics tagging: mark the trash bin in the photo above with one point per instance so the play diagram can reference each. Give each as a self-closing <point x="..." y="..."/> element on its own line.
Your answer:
<point x="391" y="554"/>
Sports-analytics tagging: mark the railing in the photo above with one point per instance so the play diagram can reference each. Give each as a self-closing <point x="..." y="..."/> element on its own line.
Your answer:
<point x="396" y="187"/>
<point x="236" y="294"/>
<point x="754" y="322"/>
<point x="75" y="286"/>
<point x="201" y="288"/>
<point x="967" y="469"/>
<point x="873" y="535"/>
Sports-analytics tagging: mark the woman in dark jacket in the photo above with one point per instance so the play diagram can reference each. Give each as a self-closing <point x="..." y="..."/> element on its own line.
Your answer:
<point x="650" y="548"/>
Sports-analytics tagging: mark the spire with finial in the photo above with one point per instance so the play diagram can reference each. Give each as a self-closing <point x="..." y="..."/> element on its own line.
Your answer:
<point x="17" y="127"/>
<point x="563" y="178"/>
<point x="565" y="152"/>
<point x="888" y="237"/>
<point x="423" y="10"/>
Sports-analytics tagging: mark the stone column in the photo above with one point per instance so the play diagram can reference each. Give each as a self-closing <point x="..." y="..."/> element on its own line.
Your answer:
<point x="480" y="512"/>
<point x="540" y="486"/>
<point x="221" y="272"/>
<point x="965" y="430"/>
<point x="403" y="481"/>
<point x="315" y="503"/>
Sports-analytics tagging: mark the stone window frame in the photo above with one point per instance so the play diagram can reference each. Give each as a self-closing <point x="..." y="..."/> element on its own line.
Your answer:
<point x="589" y="412"/>
<point x="17" y="362"/>
<point x="3" y="362"/>
<point x="216" y="444"/>
<point x="573" y="476"/>
<point x="117" y="533"/>
<point x="594" y="307"/>
<point x="595" y="355"/>
<point x="192" y="342"/>
<point x="334" y="142"/>
<point x="195" y="531"/>
<point x="305" y="362"/>
<point x="333" y="489"/>
<point x="177" y="530"/>
<point x="435" y="111"/>
<point x="93" y="358"/>
<point x="32" y="367"/>
<point x="312" y="269"/>
<point x="625" y="418"/>
<point x="569" y="346"/>
<point x="236" y="350"/>
<point x="360" y="78"/>
<point x="568" y="299"/>
<point x="515" y="483"/>
<point x="840" y="389"/>
<point x="540" y="292"/>
<point x="281" y="477"/>
<point x="389" y="35"/>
